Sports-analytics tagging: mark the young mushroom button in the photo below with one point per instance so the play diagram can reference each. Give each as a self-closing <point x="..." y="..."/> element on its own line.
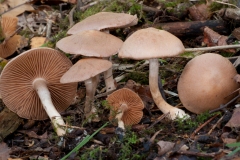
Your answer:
<point x="151" y="44"/>
<point x="206" y="82"/>
<point x="30" y="86"/>
<point x="126" y="107"/>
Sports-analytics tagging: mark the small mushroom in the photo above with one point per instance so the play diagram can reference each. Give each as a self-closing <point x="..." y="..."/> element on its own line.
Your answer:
<point x="206" y="82"/>
<point x="87" y="70"/>
<point x="8" y="26"/>
<point x="151" y="44"/>
<point x="30" y="86"/>
<point x="126" y="107"/>
<point x="104" y="21"/>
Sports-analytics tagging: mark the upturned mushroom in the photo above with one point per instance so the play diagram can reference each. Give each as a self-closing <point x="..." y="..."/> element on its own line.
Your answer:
<point x="206" y="82"/>
<point x="151" y="44"/>
<point x="104" y="21"/>
<point x="126" y="106"/>
<point x="30" y="86"/>
<point x="87" y="70"/>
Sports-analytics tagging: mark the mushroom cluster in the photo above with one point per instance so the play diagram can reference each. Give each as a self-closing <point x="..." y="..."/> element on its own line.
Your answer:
<point x="30" y="86"/>
<point x="88" y="40"/>
<point x="206" y="82"/>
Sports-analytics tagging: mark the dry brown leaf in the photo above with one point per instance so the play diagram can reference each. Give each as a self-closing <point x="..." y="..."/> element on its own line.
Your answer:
<point x="199" y="12"/>
<point x="19" y="10"/>
<point x="164" y="147"/>
<point x="4" y="151"/>
<point x="37" y="41"/>
<point x="236" y="33"/>
<point x="235" y="119"/>
<point x="32" y="134"/>
<point x="14" y="3"/>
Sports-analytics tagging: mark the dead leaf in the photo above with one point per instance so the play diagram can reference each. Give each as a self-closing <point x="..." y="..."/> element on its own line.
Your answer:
<point x="32" y="134"/>
<point x="236" y="33"/>
<point x="14" y="3"/>
<point x="227" y="140"/>
<point x="164" y="147"/>
<point x="37" y="42"/>
<point x="199" y="12"/>
<point x="19" y="10"/>
<point x="235" y="119"/>
<point x="4" y="151"/>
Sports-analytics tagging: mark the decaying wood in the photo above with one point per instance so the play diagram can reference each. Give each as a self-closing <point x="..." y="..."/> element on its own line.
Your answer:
<point x="194" y="28"/>
<point x="9" y="122"/>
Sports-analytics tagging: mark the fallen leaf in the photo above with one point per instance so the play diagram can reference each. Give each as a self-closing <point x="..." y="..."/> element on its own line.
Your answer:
<point x="199" y="12"/>
<point x="164" y="147"/>
<point x="32" y="134"/>
<point x="37" y="42"/>
<point x="19" y="10"/>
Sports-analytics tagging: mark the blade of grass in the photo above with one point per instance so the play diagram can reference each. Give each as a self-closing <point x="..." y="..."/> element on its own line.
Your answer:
<point x="83" y="142"/>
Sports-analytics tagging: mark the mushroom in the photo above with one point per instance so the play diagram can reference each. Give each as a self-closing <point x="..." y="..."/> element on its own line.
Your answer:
<point x="30" y="86"/>
<point x="104" y="21"/>
<point x="206" y="82"/>
<point x="126" y="107"/>
<point x="87" y="70"/>
<point x="8" y="26"/>
<point x="151" y="44"/>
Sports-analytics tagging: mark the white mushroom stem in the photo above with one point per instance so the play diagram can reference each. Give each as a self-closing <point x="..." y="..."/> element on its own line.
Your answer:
<point x="108" y="78"/>
<point x="109" y="81"/>
<point x="40" y="85"/>
<point x="157" y="97"/>
<point x="91" y="87"/>
<point x="119" y="115"/>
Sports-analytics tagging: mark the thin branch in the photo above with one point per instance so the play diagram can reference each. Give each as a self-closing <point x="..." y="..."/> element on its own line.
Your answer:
<point x="212" y="48"/>
<point x="226" y="4"/>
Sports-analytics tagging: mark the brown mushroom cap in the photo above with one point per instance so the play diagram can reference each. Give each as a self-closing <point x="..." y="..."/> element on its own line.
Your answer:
<point x="9" y="25"/>
<point x="104" y="20"/>
<point x="8" y="47"/>
<point x="151" y="43"/>
<point x="90" y="43"/>
<point x="206" y="82"/>
<point x="85" y="69"/>
<point x="17" y="77"/>
<point x="134" y="103"/>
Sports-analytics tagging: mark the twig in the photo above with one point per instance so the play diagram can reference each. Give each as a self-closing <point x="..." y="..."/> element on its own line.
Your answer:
<point x="201" y="126"/>
<point x="226" y="4"/>
<point x="198" y="154"/>
<point x="70" y="17"/>
<point x="212" y="48"/>
<point x="158" y="120"/>
<point x="215" y="125"/>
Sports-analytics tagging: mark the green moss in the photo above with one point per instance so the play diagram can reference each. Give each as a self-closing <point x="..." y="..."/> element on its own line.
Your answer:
<point x="52" y="42"/>
<point x="139" y="77"/>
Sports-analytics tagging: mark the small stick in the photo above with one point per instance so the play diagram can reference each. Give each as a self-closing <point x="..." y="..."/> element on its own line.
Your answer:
<point x="215" y="125"/>
<point x="201" y="126"/>
<point x="158" y="120"/>
<point x="70" y="17"/>
<point x="198" y="154"/>
<point x="212" y="48"/>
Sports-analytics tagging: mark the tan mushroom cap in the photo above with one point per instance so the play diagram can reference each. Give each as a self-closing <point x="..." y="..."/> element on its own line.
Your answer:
<point x="9" y="25"/>
<point x="151" y="43"/>
<point x="18" y="75"/>
<point x="205" y="83"/>
<point x="8" y="47"/>
<point x="85" y="69"/>
<point x="134" y="113"/>
<point x="91" y="43"/>
<point x="104" y="20"/>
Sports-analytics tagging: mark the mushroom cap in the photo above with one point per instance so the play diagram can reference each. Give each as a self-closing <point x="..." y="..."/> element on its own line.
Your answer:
<point x="151" y="43"/>
<point x="91" y="43"/>
<point x="85" y="69"/>
<point x="9" y="25"/>
<point x="17" y="76"/>
<point x="104" y="20"/>
<point x="8" y="47"/>
<point x="206" y="82"/>
<point x="134" y="113"/>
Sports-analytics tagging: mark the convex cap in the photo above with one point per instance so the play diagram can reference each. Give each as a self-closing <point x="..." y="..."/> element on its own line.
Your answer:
<point x="104" y="20"/>
<point x="151" y="43"/>
<point x="91" y="43"/>
<point x="206" y="82"/>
